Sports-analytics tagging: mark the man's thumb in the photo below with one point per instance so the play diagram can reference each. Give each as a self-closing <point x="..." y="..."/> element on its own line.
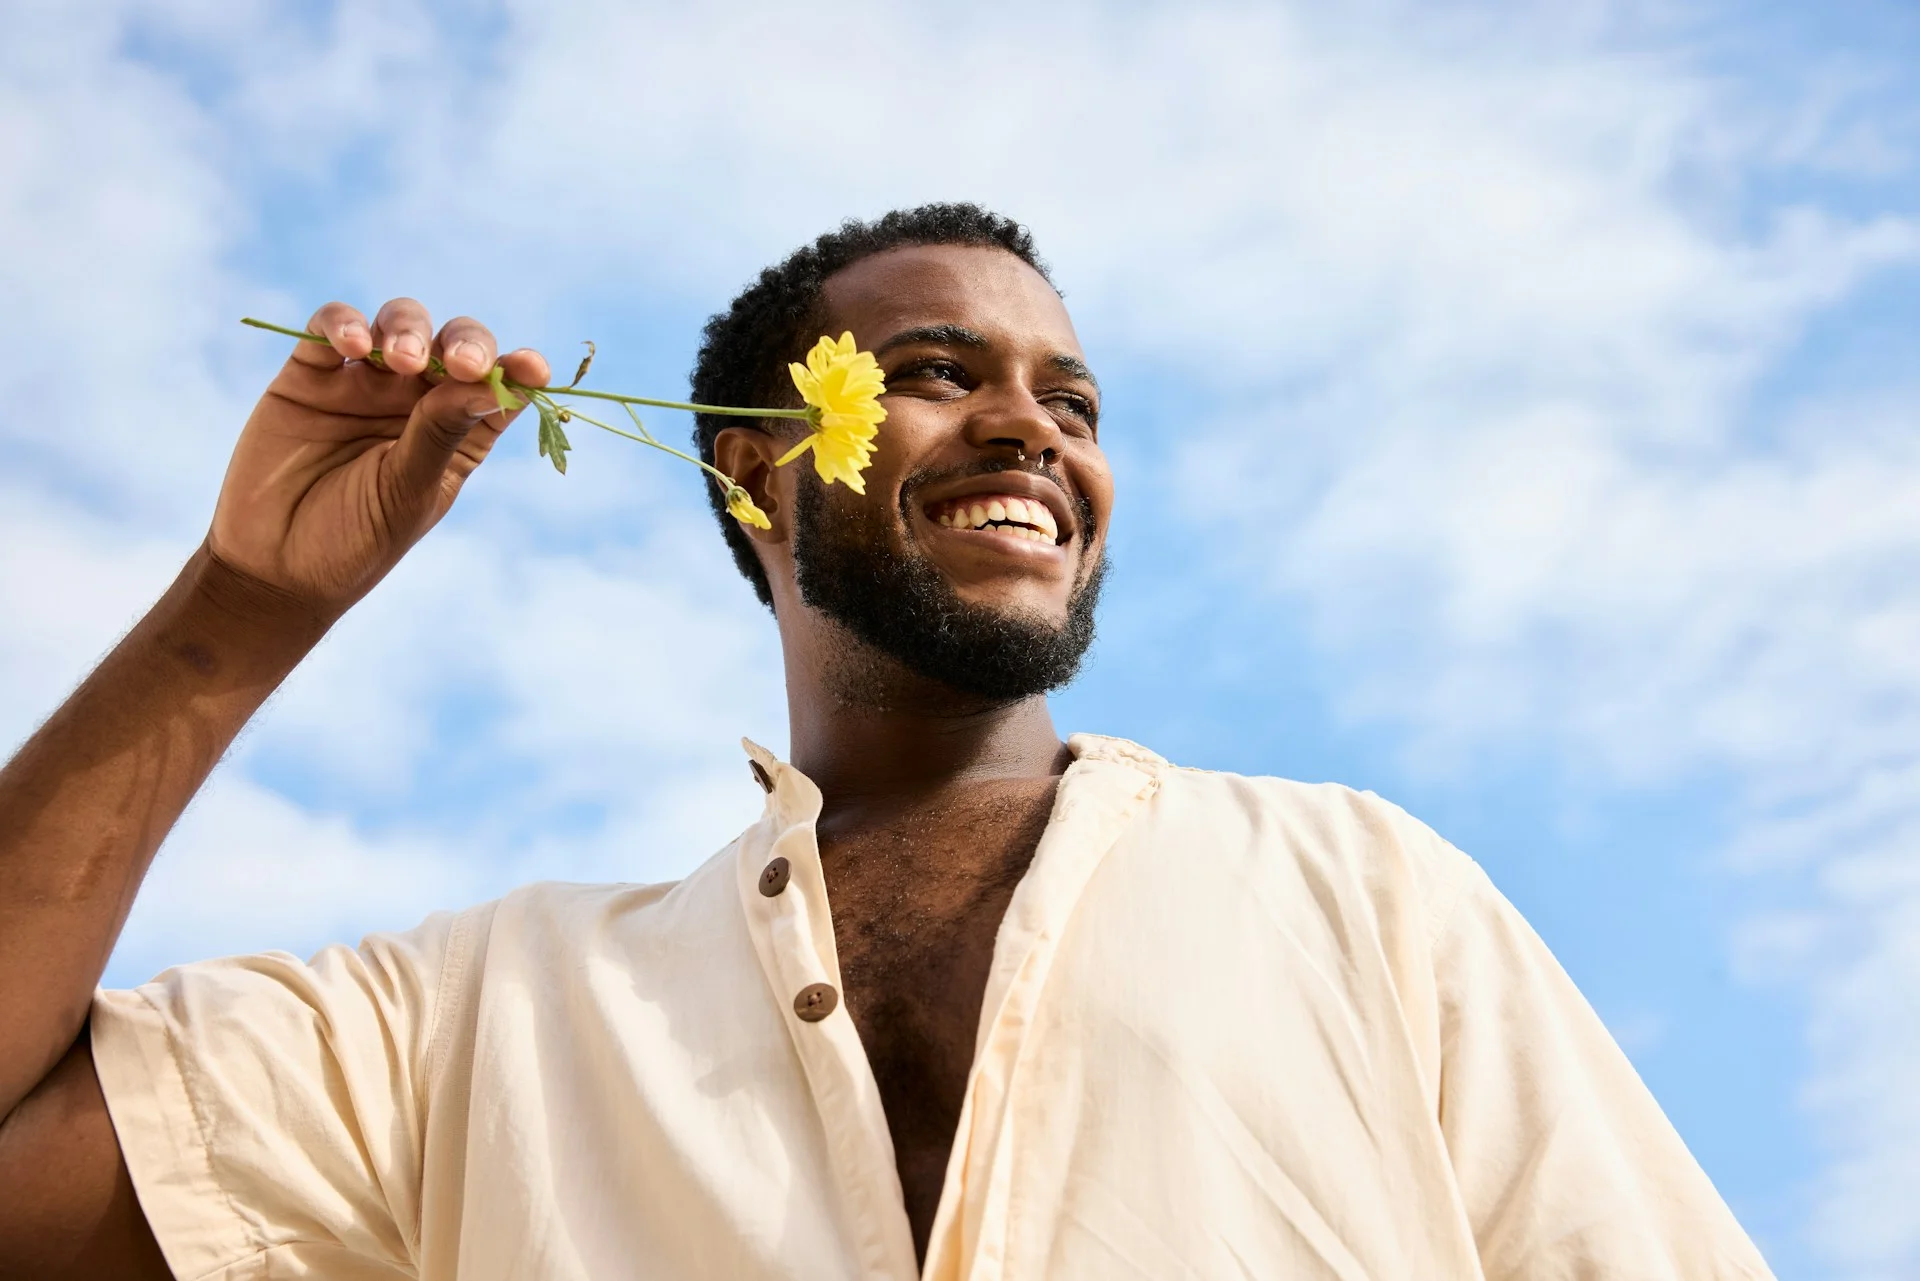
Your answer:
<point x="441" y="421"/>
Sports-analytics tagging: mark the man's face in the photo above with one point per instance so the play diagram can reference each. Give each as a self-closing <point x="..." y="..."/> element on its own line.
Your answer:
<point x="974" y="556"/>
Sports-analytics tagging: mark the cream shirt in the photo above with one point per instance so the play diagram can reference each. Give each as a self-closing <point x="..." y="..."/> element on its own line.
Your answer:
<point x="1235" y="1028"/>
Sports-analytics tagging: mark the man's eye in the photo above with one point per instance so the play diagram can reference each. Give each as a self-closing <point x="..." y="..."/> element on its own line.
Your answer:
<point x="939" y="370"/>
<point x="1079" y="406"/>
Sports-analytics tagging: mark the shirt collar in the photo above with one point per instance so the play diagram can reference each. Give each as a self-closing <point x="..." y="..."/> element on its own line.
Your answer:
<point x="793" y="795"/>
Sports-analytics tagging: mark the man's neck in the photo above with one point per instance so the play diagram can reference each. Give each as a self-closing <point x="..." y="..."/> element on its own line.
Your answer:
<point x="878" y="740"/>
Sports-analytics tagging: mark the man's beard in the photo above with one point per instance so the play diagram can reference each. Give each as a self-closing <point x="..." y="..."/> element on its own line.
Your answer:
<point x="903" y="607"/>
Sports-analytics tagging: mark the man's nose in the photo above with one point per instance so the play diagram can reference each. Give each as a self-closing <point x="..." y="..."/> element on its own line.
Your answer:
<point x="1009" y="418"/>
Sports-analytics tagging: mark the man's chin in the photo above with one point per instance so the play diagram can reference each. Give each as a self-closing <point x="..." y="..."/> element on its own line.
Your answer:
<point x="997" y="639"/>
<point x="1015" y="605"/>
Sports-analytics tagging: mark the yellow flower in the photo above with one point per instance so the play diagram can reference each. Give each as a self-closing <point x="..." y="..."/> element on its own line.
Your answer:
<point x="740" y="505"/>
<point x="842" y="388"/>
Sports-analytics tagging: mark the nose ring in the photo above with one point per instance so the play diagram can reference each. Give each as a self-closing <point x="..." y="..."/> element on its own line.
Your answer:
<point x="1020" y="455"/>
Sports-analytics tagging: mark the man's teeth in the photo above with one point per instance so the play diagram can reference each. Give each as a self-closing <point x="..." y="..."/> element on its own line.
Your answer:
<point x="1018" y="516"/>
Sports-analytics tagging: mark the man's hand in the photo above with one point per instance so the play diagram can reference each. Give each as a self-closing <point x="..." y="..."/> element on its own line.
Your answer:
<point x="345" y="463"/>
<point x="342" y="467"/>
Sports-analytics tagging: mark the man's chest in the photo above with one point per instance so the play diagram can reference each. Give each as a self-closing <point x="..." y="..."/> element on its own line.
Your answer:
<point x="917" y="901"/>
<point x="916" y="906"/>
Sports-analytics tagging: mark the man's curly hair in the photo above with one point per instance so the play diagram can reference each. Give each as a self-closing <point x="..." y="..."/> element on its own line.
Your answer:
<point x="744" y="350"/>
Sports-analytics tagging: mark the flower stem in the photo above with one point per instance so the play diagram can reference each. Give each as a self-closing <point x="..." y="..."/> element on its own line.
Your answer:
<point x="689" y="406"/>
<point x="646" y="438"/>
<point x="525" y="391"/>
<point x="282" y="329"/>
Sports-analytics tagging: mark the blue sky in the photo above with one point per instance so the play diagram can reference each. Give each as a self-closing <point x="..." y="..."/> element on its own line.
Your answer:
<point x="1515" y="410"/>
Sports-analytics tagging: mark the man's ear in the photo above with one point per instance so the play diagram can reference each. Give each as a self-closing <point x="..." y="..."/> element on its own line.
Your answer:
<point x="747" y="454"/>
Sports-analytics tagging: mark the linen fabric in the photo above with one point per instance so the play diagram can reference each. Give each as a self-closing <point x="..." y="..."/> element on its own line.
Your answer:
<point x="1235" y="1027"/>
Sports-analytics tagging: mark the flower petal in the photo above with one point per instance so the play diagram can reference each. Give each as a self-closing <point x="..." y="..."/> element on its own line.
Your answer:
<point x="797" y="450"/>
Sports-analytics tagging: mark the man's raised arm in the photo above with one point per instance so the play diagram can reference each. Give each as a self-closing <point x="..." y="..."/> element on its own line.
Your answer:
<point x="343" y="466"/>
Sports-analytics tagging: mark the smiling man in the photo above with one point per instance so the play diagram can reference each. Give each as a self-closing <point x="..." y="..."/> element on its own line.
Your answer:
<point x="967" y="1001"/>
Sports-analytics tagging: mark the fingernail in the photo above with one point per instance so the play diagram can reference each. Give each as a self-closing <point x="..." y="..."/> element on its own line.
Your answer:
<point x="349" y="331"/>
<point x="409" y="345"/>
<point x="467" y="352"/>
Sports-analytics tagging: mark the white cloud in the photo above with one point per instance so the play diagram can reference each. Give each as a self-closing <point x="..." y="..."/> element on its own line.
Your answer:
<point x="248" y="870"/>
<point x="74" y="585"/>
<point x="120" y="213"/>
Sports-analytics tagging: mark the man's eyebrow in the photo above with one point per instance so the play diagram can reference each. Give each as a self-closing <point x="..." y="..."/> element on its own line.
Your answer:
<point x="949" y="335"/>
<point x="961" y="336"/>
<point x="1072" y="367"/>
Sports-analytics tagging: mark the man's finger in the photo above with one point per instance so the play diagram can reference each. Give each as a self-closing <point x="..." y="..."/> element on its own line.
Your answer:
<point x="341" y="325"/>
<point x="526" y="367"/>
<point x="404" y="334"/>
<point x="466" y="347"/>
<point x="439" y="424"/>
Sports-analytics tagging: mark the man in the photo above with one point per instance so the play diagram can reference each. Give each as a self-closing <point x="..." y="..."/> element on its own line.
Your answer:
<point x="966" y="999"/>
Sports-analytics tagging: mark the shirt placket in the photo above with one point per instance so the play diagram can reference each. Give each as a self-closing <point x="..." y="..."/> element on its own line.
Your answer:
<point x="1098" y="798"/>
<point x="784" y="895"/>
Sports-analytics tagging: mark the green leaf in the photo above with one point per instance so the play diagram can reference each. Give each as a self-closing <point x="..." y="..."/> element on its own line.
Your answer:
<point x="497" y="379"/>
<point x="553" y="438"/>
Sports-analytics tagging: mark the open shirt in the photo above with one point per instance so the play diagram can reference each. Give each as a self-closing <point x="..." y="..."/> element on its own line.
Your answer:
<point x="1235" y="1027"/>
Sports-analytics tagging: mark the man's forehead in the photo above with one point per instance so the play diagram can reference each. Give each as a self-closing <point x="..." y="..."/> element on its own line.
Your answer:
<point x="983" y="289"/>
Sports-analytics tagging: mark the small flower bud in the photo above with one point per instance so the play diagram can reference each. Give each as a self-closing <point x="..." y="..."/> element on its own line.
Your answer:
<point x="741" y="507"/>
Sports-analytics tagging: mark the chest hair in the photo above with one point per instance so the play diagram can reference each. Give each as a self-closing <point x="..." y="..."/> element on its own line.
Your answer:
<point x="916" y="904"/>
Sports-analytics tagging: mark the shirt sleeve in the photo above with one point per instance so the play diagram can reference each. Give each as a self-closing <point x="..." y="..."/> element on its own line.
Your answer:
<point x="271" y="1111"/>
<point x="1566" y="1165"/>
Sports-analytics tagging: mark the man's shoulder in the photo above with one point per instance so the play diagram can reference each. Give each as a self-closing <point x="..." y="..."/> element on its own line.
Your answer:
<point x="1265" y="792"/>
<point x="574" y="904"/>
<point x="1335" y="825"/>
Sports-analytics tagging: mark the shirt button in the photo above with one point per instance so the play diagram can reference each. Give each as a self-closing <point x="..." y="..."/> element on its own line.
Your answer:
<point x="774" y="877"/>
<point x="760" y="776"/>
<point x="815" y="1002"/>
